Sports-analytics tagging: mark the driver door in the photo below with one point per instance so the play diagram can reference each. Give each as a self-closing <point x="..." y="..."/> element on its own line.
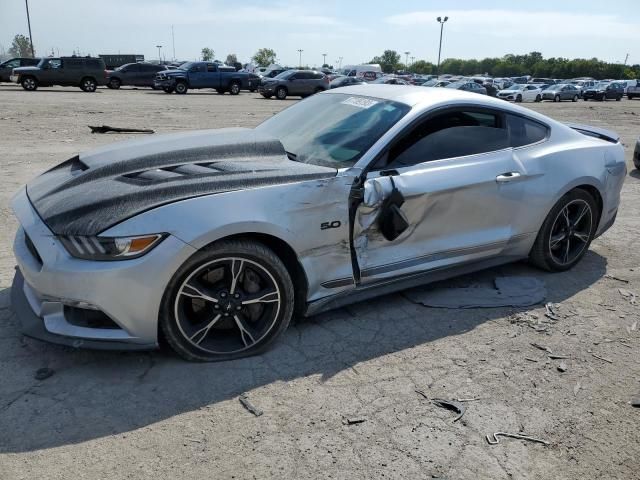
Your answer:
<point x="457" y="189"/>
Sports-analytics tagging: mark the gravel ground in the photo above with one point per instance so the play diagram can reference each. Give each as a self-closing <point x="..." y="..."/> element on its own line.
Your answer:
<point x="123" y="415"/>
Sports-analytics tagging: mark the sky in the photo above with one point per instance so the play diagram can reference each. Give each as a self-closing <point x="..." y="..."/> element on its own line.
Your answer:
<point x="355" y="30"/>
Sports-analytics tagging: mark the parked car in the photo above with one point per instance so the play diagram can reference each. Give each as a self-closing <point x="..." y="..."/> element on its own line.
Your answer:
<point x="542" y="80"/>
<point x="521" y="93"/>
<point x="346" y="81"/>
<point x="633" y="90"/>
<point x="636" y="155"/>
<point x="294" y="83"/>
<point x="7" y="67"/>
<point x="468" y="86"/>
<point x="84" y="72"/>
<point x="583" y="85"/>
<point x="226" y="233"/>
<point x="134" y="74"/>
<point x="389" y="80"/>
<point x="604" y="91"/>
<point x="436" y="83"/>
<point x="196" y="75"/>
<point x="561" y="91"/>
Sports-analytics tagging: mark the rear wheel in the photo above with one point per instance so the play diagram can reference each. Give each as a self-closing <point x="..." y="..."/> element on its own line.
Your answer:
<point x="575" y="98"/>
<point x="618" y="98"/>
<point x="228" y="301"/>
<point x="181" y="88"/>
<point x="281" y="93"/>
<point x="29" y="83"/>
<point x="88" y="84"/>
<point x="114" y="83"/>
<point x="566" y="233"/>
<point x="538" y="98"/>
<point x="519" y="98"/>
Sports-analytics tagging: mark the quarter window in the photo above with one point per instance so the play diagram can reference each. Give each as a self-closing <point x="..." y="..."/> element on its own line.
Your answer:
<point x="523" y="131"/>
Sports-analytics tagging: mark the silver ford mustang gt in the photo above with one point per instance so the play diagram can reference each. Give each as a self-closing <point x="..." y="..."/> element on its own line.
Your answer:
<point x="213" y="240"/>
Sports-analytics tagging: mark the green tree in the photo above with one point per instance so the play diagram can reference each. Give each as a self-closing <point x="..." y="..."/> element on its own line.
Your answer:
<point x="207" y="54"/>
<point x="264" y="57"/>
<point x="20" y="47"/>
<point x="231" y="59"/>
<point x="389" y="61"/>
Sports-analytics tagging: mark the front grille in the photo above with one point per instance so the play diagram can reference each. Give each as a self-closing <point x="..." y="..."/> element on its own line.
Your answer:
<point x="32" y="248"/>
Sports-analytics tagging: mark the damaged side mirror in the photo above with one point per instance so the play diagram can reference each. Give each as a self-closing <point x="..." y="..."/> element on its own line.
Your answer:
<point x="391" y="220"/>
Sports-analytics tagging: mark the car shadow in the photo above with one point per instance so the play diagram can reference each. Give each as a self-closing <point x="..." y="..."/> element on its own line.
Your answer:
<point x="635" y="173"/>
<point x="93" y="394"/>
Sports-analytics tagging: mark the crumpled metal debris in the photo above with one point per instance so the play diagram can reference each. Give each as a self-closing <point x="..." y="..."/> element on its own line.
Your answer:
<point x="457" y="407"/>
<point x="492" y="439"/>
<point x="508" y="292"/>
<point x="107" y="128"/>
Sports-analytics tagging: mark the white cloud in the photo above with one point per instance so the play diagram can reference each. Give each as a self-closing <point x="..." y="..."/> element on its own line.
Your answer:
<point x="520" y="24"/>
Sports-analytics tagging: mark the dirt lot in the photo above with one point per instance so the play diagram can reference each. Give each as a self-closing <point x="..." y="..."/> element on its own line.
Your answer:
<point x="123" y="415"/>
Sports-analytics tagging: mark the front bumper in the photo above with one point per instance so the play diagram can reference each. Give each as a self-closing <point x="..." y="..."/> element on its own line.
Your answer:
<point x="164" y="83"/>
<point x="52" y="290"/>
<point x="14" y="78"/>
<point x="266" y="89"/>
<point x="509" y="97"/>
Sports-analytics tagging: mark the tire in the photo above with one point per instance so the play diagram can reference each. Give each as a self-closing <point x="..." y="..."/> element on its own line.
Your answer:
<point x="630" y="97"/>
<point x="181" y="88"/>
<point x="234" y="88"/>
<point x="249" y="321"/>
<point x="88" y="84"/>
<point x="30" y="84"/>
<point x="281" y="93"/>
<point x="575" y="98"/>
<point x="114" y="84"/>
<point x="556" y="98"/>
<point x="538" y="98"/>
<point x="618" y="98"/>
<point x="557" y="257"/>
<point x="167" y="89"/>
<point x="519" y="99"/>
<point x="252" y="90"/>
<point x="585" y="99"/>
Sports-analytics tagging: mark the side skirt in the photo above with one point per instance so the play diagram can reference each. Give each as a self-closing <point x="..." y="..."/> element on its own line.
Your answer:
<point x="391" y="285"/>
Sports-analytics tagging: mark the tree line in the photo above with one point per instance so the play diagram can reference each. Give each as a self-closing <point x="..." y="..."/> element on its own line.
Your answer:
<point x="511" y="65"/>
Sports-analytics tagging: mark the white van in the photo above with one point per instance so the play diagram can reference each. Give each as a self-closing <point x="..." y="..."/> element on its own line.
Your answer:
<point x="370" y="71"/>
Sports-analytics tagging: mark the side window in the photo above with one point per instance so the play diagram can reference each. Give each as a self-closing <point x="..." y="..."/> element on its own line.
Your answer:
<point x="12" y="64"/>
<point x="523" y="131"/>
<point x="450" y="135"/>
<point x="211" y="67"/>
<point x="318" y="76"/>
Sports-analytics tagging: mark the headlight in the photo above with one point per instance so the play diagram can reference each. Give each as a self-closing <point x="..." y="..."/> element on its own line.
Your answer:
<point x="110" y="248"/>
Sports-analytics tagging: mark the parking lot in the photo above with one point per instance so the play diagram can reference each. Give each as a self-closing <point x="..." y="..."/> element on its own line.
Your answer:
<point x="338" y="391"/>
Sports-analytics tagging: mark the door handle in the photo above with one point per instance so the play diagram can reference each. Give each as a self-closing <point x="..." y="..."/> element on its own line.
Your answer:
<point x="508" y="177"/>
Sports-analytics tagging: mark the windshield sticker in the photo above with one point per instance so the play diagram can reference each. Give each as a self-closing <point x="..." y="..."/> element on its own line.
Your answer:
<point x="360" y="102"/>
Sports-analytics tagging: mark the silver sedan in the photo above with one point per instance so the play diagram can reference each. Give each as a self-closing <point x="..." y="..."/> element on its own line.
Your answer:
<point x="214" y="240"/>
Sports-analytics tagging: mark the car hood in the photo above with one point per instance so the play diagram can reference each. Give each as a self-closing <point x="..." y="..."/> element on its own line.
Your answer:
<point x="93" y="191"/>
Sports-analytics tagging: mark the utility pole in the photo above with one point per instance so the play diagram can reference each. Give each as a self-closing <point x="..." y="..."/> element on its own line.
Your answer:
<point x="173" y="42"/>
<point x="441" y="22"/>
<point x="324" y="59"/>
<point x="33" y="52"/>
<point x="413" y="60"/>
<point x="300" y="61"/>
<point x="625" y="60"/>
<point x="159" y="57"/>
<point x="406" y="62"/>
<point x="340" y="60"/>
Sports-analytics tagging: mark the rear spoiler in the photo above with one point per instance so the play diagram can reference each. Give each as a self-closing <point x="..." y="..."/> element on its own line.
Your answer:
<point x="601" y="133"/>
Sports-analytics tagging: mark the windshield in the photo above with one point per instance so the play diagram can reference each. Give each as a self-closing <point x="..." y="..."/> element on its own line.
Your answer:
<point x="602" y="84"/>
<point x="515" y="86"/>
<point x="350" y="125"/>
<point x="456" y="84"/>
<point x="187" y="65"/>
<point x="284" y="75"/>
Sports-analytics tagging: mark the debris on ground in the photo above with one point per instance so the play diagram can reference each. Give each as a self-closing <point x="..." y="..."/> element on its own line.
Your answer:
<point x="602" y="358"/>
<point x="576" y="389"/>
<point x="632" y="327"/>
<point x="475" y="399"/>
<point x="552" y="311"/>
<point x="541" y="347"/>
<point x="613" y="277"/>
<point x="107" y="128"/>
<point x="43" y="373"/>
<point x="628" y="295"/>
<point x="507" y="292"/>
<point x="562" y="367"/>
<point x="493" y="439"/>
<point x="557" y="357"/>
<point x="353" y="420"/>
<point x="635" y="401"/>
<point x="420" y="392"/>
<point x="457" y="407"/>
<point x="244" y="400"/>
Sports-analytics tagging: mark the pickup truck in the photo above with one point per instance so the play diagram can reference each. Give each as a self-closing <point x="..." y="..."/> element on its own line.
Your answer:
<point x="633" y="90"/>
<point x="202" y="75"/>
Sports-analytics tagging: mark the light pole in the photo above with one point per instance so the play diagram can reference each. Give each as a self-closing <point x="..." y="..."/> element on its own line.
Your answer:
<point x="441" y="22"/>
<point x="340" y="60"/>
<point x="159" y="57"/>
<point x="413" y="60"/>
<point x="33" y="53"/>
<point x="300" y="52"/>
<point x="324" y="59"/>
<point x="406" y="62"/>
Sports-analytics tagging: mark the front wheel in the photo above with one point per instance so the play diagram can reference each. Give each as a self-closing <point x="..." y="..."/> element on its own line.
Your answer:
<point x="29" y="83"/>
<point x="556" y="98"/>
<point x="114" y="84"/>
<point x="234" y="88"/>
<point x="538" y="98"/>
<point x="281" y="93"/>
<point x="575" y="98"/>
<point x="181" y="88"/>
<point x="618" y="98"/>
<point x="519" y="98"/>
<point x="228" y="301"/>
<point x="566" y="233"/>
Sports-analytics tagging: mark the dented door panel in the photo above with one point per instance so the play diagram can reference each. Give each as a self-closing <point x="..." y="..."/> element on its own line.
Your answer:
<point x="457" y="211"/>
